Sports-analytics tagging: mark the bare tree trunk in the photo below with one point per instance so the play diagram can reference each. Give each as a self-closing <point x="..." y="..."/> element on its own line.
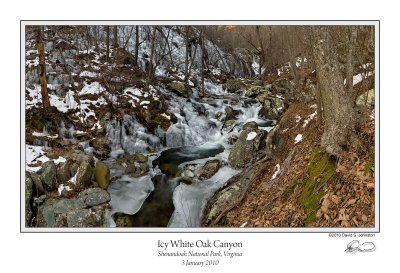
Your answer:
<point x="350" y="61"/>
<point x="262" y="54"/>
<point x="187" y="33"/>
<point x="96" y="38"/>
<point x="128" y="38"/>
<point x="108" y="44"/>
<point x="152" y="49"/>
<point x="202" y="60"/>
<point x="137" y="46"/>
<point x="88" y="44"/>
<point x="115" y="37"/>
<point x="338" y="106"/>
<point x="42" y="71"/>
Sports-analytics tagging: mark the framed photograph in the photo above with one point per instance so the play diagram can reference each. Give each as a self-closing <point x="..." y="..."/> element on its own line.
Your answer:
<point x="202" y="139"/>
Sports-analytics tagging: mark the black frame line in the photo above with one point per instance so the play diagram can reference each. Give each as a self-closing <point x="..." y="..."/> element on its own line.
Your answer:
<point x="309" y="230"/>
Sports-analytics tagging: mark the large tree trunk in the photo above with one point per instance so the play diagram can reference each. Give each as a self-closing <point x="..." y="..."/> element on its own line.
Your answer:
<point x="42" y="70"/>
<point x="337" y="103"/>
<point x="350" y="60"/>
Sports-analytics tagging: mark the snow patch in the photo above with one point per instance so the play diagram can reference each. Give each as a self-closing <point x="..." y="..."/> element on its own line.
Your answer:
<point x="298" y="138"/>
<point x="93" y="88"/>
<point x="277" y="170"/>
<point x="251" y="135"/>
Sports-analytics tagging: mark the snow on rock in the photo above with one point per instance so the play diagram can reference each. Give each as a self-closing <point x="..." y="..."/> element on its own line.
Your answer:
<point x="144" y="102"/>
<point x="277" y="170"/>
<point x="298" y="118"/>
<point x="251" y="135"/>
<point x="166" y="116"/>
<point x="88" y="74"/>
<point x="133" y="91"/>
<point x="93" y="88"/>
<point x="36" y="154"/>
<point x="298" y="138"/>
<point x="61" y="188"/>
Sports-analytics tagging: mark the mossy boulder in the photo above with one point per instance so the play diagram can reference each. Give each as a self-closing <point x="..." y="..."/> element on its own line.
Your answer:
<point x="209" y="169"/>
<point x="232" y="85"/>
<point x="48" y="175"/>
<point x="101" y="147"/>
<point x="245" y="149"/>
<point x="224" y="198"/>
<point x="180" y="88"/>
<point x="84" y="175"/>
<point x="102" y="174"/>
<point x="320" y="170"/>
<point x="28" y="198"/>
<point x="366" y="99"/>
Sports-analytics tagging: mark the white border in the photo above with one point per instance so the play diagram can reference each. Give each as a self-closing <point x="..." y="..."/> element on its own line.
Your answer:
<point x="203" y="230"/>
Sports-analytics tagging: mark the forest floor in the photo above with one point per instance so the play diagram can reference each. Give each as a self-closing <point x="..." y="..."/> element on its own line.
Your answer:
<point x="302" y="186"/>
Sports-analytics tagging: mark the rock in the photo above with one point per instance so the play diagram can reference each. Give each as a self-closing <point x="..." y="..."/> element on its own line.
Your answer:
<point x="230" y="113"/>
<point x="52" y="208"/>
<point x="80" y="156"/>
<point x="48" y="175"/>
<point x="37" y="181"/>
<point x="101" y="147"/>
<point x="366" y="99"/>
<point x="82" y="218"/>
<point x="218" y="115"/>
<point x="94" y="196"/>
<point x="250" y="125"/>
<point x="209" y="169"/>
<point x="89" y="209"/>
<point x="225" y="197"/>
<point x="232" y="139"/>
<point x="102" y="174"/>
<point x="273" y="108"/>
<point x="244" y="151"/>
<point x="136" y="165"/>
<point x="229" y="123"/>
<point x="309" y="92"/>
<point x="255" y="91"/>
<point x="28" y="198"/>
<point x="64" y="172"/>
<point x="283" y="86"/>
<point x="84" y="175"/>
<point x="232" y="85"/>
<point x="123" y="220"/>
<point x="185" y="180"/>
<point x="180" y="88"/>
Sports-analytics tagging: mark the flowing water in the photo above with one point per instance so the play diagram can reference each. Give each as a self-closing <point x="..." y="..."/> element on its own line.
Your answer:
<point x="198" y="136"/>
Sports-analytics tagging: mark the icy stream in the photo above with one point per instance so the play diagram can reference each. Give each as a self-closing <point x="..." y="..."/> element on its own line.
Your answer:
<point x="199" y="135"/>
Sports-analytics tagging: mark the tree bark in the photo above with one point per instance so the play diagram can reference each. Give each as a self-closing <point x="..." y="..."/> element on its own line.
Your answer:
<point x="202" y="60"/>
<point x="152" y="49"/>
<point x="187" y="45"/>
<point x="42" y="71"/>
<point x="137" y="46"/>
<point x="337" y="103"/>
<point x="262" y="53"/>
<point x="115" y="37"/>
<point x="108" y="44"/>
<point x="350" y="59"/>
